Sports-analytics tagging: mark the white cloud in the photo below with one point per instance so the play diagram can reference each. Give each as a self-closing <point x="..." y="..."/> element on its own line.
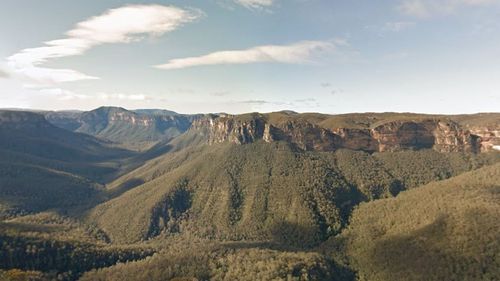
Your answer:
<point x="398" y="26"/>
<point x="428" y="8"/>
<point x="113" y="96"/>
<point x="255" y="4"/>
<point x="120" y="25"/>
<point x="3" y="74"/>
<point x="297" y="53"/>
<point x="61" y="94"/>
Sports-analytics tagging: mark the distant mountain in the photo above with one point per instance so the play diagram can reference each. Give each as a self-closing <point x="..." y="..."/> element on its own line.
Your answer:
<point x="156" y="112"/>
<point x="137" y="128"/>
<point x="43" y="166"/>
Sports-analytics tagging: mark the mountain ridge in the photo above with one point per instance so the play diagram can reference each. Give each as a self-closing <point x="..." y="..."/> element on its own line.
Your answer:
<point x="325" y="133"/>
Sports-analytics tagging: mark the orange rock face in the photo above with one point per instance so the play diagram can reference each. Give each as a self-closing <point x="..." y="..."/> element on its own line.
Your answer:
<point x="441" y="135"/>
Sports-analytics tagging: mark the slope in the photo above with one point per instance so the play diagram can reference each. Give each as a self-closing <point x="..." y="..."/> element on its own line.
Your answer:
<point x="45" y="167"/>
<point x="263" y="191"/>
<point x="446" y="230"/>
<point x="135" y="129"/>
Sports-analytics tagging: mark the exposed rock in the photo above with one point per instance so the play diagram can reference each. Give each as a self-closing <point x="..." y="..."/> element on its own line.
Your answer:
<point x="445" y="136"/>
<point x="441" y="134"/>
<point x="357" y="139"/>
<point x="22" y="120"/>
<point x="221" y="129"/>
<point x="123" y="126"/>
<point x="489" y="138"/>
<point x="305" y="136"/>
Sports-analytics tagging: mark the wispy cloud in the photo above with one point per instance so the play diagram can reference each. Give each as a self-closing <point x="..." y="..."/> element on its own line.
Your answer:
<point x="120" y="25"/>
<point x="119" y="96"/>
<point x="398" y="26"/>
<point x="220" y="93"/>
<point x="61" y="94"/>
<point x="305" y="104"/>
<point x="3" y="74"/>
<point x="255" y="102"/>
<point x="429" y="8"/>
<point x="297" y="53"/>
<point x="390" y="27"/>
<point x="255" y="4"/>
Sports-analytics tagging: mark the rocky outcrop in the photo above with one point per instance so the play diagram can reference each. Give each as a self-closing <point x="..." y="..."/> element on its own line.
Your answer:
<point x="22" y="120"/>
<point x="123" y="126"/>
<point x="489" y="138"/>
<point x="305" y="136"/>
<point x="433" y="133"/>
<point x="445" y="136"/>
<point x="357" y="139"/>
<point x="223" y="128"/>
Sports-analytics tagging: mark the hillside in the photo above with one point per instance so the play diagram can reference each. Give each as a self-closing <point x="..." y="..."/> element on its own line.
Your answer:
<point x="51" y="247"/>
<point x="45" y="167"/>
<point x="277" y="196"/>
<point x="446" y="230"/>
<point x="135" y="129"/>
<point x="263" y="191"/>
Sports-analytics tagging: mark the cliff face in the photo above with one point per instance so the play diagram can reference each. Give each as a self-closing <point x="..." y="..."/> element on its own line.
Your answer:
<point x="103" y="117"/>
<point x="123" y="126"/>
<point x="440" y="134"/>
<point x="305" y="136"/>
<point x="22" y="120"/>
<point x="445" y="136"/>
<point x="489" y="138"/>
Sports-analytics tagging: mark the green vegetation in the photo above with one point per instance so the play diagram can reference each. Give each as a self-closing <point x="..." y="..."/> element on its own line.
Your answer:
<point x="208" y="260"/>
<point x="446" y="230"/>
<point x="58" y="246"/>
<point x="259" y="191"/>
<point x="264" y="191"/>
<point x="77" y="207"/>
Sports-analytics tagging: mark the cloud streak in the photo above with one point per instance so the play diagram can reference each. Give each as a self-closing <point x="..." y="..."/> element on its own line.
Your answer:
<point x="397" y="26"/>
<point x="3" y="74"/>
<point x="121" y="25"/>
<point x="429" y="8"/>
<point x="297" y="53"/>
<point x="255" y="4"/>
<point x="119" y="96"/>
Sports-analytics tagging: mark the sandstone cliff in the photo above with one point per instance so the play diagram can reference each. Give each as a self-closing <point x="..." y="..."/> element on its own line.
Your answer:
<point x="124" y="126"/>
<point x="439" y="133"/>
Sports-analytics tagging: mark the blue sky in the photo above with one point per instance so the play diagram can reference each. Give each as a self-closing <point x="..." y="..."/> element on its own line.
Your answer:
<point x="431" y="56"/>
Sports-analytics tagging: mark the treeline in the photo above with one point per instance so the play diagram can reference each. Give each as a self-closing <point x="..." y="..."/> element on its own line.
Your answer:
<point x="194" y="259"/>
<point x="67" y="258"/>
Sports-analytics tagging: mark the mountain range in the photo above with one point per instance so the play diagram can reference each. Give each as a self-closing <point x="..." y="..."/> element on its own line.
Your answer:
<point x="116" y="194"/>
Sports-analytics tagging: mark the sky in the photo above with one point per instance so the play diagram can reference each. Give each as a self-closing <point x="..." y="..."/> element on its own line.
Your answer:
<point x="236" y="56"/>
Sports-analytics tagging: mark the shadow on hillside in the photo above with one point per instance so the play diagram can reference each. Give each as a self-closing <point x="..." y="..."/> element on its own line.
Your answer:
<point x="292" y="237"/>
<point x="124" y="187"/>
<point x="433" y="251"/>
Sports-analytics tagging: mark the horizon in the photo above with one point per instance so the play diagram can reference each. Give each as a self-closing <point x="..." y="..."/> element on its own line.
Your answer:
<point x="240" y="56"/>
<point x="243" y="113"/>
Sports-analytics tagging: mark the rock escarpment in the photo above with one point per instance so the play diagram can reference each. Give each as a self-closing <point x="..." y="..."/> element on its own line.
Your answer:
<point x="445" y="136"/>
<point x="489" y="136"/>
<point x="442" y="134"/>
<point x="124" y="126"/>
<point x="22" y="120"/>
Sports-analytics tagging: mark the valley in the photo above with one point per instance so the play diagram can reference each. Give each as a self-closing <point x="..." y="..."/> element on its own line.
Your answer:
<point x="117" y="194"/>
